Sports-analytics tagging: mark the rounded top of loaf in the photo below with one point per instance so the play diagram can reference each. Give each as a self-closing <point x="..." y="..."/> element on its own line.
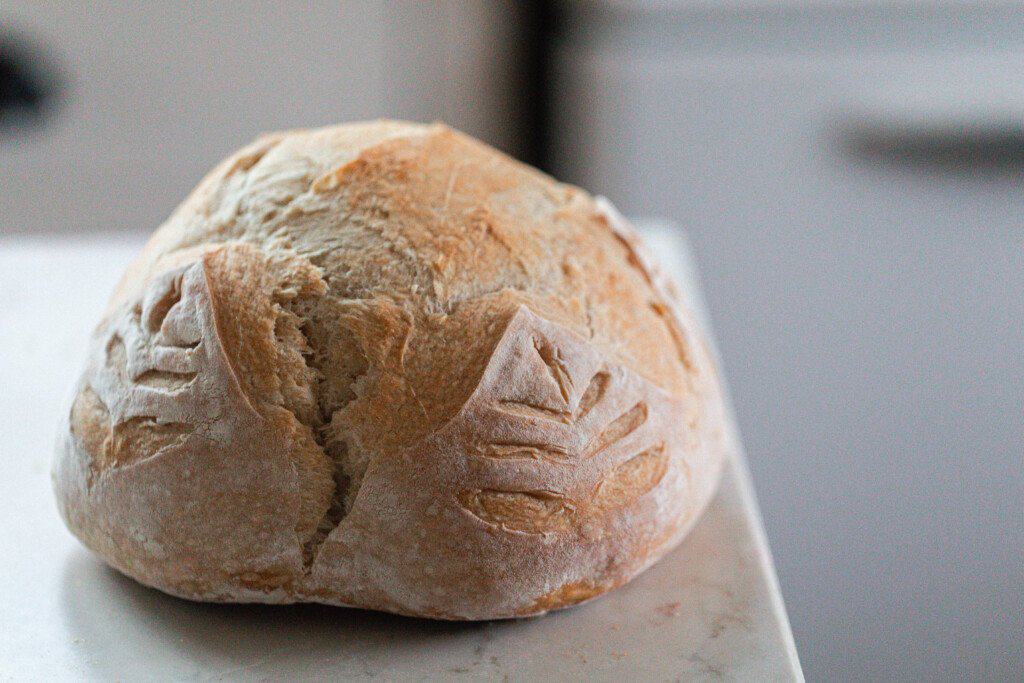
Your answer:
<point x="429" y="240"/>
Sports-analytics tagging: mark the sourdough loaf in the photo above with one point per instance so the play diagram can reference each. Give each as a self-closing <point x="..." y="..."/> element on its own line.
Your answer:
<point x="383" y="365"/>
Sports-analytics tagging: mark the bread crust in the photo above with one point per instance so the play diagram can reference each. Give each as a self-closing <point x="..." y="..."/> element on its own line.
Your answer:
<point x="382" y="365"/>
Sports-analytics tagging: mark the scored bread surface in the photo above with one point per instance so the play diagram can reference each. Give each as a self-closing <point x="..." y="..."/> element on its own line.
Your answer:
<point x="383" y="365"/>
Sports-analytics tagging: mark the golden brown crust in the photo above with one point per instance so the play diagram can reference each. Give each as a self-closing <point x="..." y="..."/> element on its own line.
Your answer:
<point x="383" y="365"/>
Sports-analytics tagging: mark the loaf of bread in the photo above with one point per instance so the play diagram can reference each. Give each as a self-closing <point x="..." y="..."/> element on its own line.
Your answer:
<point x="383" y="365"/>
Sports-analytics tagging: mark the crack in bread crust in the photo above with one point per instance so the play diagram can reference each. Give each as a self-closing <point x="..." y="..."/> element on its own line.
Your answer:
<point x="334" y="450"/>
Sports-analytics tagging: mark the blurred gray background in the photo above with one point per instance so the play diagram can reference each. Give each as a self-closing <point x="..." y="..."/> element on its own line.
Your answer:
<point x="850" y="175"/>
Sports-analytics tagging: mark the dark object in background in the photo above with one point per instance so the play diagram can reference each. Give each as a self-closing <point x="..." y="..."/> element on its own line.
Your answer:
<point x="28" y="85"/>
<point x="540" y="23"/>
<point x="954" y="147"/>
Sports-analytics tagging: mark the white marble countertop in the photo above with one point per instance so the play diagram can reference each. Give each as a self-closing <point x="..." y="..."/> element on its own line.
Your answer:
<point x="710" y="610"/>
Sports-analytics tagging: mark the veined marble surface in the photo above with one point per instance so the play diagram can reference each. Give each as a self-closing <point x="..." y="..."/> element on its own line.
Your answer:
<point x="710" y="610"/>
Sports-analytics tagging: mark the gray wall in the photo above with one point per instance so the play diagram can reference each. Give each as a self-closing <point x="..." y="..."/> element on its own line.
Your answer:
<point x="156" y="93"/>
<point x="851" y="180"/>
